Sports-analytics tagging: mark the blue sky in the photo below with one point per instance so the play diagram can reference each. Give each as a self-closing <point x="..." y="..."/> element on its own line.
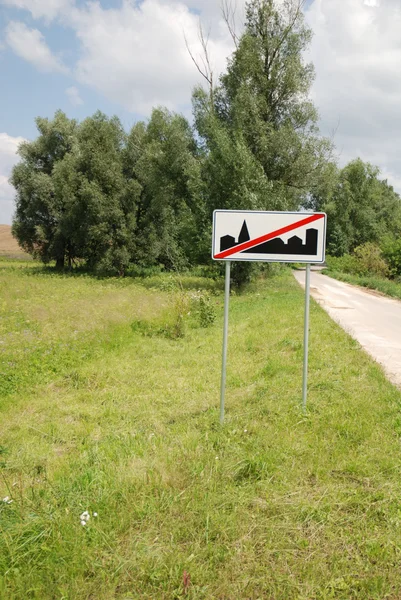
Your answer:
<point x="125" y="57"/>
<point x="33" y="92"/>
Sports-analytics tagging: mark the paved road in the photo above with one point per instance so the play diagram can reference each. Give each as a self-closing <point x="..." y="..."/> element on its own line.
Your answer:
<point x="372" y="319"/>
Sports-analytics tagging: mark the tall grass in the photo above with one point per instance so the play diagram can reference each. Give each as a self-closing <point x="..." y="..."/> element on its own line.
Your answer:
<point x="124" y="423"/>
<point x="389" y="287"/>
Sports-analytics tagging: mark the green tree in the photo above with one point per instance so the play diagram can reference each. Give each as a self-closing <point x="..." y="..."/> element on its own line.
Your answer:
<point x="361" y="209"/>
<point x="323" y="191"/>
<point x="39" y="217"/>
<point x="169" y="219"/>
<point x="101" y="201"/>
<point x="260" y="115"/>
<point x="258" y="127"/>
<point x="73" y="198"/>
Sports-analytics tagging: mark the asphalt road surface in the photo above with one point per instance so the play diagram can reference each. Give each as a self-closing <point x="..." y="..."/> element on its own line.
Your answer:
<point x="372" y="319"/>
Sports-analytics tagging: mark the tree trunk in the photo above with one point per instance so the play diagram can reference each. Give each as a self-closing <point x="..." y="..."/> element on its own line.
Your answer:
<point x="60" y="263"/>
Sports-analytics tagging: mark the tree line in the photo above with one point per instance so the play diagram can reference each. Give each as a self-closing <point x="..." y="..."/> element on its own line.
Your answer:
<point x="90" y="193"/>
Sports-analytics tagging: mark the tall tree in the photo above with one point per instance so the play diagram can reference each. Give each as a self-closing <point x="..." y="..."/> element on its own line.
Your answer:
<point x="38" y="222"/>
<point x="101" y="203"/>
<point x="73" y="199"/>
<point x="164" y="159"/>
<point x="258" y="128"/>
<point x="362" y="208"/>
<point x="261" y="115"/>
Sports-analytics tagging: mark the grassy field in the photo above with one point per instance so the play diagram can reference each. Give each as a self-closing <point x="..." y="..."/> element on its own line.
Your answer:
<point x="9" y="246"/>
<point x="105" y="409"/>
<point x="389" y="287"/>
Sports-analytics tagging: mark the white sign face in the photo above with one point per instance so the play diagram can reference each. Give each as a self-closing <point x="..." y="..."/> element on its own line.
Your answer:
<point x="269" y="236"/>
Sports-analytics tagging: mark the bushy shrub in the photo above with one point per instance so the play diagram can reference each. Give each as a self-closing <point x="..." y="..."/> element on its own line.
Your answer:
<point x="203" y="307"/>
<point x="367" y="259"/>
<point x="115" y="262"/>
<point x="392" y="253"/>
<point x="242" y="273"/>
<point x="337" y="241"/>
<point x="342" y="264"/>
<point x="370" y="261"/>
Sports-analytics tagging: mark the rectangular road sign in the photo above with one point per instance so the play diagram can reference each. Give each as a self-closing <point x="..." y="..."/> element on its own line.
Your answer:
<point x="269" y="236"/>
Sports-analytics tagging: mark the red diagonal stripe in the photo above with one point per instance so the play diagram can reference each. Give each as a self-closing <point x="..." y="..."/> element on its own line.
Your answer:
<point x="267" y="236"/>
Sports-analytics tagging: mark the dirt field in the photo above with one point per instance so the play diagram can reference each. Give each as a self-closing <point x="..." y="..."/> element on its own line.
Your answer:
<point x="9" y="245"/>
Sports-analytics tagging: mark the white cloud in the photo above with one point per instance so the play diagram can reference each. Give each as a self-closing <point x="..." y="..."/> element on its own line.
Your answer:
<point x="210" y="11"/>
<point x="41" y="9"/>
<point x="73" y="96"/>
<point x="30" y="45"/>
<point x="357" y="53"/>
<point x="7" y="193"/>
<point x="136" y="55"/>
<point x="8" y="158"/>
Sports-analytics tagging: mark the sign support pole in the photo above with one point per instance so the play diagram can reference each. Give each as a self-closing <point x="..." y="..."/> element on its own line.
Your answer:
<point x="306" y="337"/>
<point x="225" y="338"/>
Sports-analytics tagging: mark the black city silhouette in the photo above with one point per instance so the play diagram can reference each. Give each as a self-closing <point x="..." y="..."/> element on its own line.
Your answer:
<point x="294" y="244"/>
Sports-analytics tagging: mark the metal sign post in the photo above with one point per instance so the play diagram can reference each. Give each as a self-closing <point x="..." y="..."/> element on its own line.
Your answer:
<point x="225" y="338"/>
<point x="306" y="337"/>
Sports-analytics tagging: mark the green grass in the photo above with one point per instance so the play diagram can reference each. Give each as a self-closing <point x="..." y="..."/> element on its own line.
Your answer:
<point x="388" y="287"/>
<point x="103" y="411"/>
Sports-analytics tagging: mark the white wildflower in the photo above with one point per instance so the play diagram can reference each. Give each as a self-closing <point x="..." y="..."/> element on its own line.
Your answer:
<point x="7" y="500"/>
<point x="83" y="523"/>
<point x="84" y="518"/>
<point x="245" y="431"/>
<point x="95" y="514"/>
